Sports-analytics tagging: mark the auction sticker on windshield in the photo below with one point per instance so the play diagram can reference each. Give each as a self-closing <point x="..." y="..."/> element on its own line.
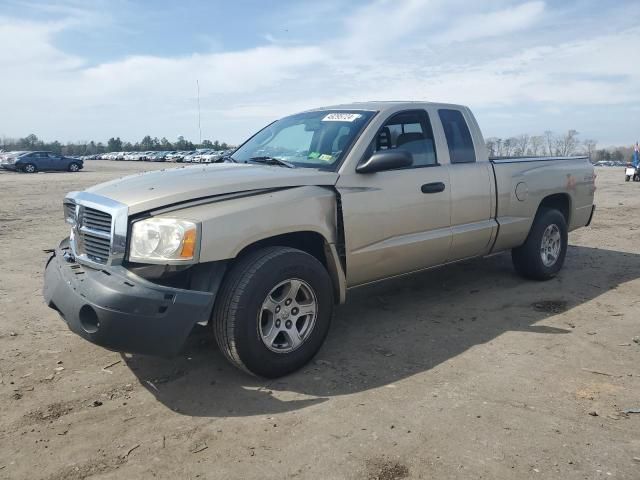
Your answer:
<point x="341" y="117"/>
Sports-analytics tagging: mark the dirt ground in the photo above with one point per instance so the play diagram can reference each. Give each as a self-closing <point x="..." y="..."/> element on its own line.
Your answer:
<point x="464" y="372"/>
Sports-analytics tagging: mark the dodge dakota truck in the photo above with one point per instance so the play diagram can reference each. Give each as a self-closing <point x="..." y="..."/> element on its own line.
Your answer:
<point x="260" y="246"/>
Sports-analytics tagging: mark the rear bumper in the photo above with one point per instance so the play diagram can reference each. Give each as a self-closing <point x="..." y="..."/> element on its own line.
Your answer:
<point x="119" y="310"/>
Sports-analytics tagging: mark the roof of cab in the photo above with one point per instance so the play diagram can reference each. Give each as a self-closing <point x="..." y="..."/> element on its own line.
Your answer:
<point x="384" y="105"/>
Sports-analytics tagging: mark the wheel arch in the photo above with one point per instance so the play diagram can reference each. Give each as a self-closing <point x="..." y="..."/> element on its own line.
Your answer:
<point x="557" y="201"/>
<point x="313" y="243"/>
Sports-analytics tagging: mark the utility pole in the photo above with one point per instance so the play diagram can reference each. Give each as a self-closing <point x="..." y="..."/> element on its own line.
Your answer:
<point x="199" y="124"/>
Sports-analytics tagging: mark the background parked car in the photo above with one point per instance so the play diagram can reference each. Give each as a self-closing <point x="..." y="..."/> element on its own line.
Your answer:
<point x="188" y="158"/>
<point x="4" y="156"/>
<point x="32" y="162"/>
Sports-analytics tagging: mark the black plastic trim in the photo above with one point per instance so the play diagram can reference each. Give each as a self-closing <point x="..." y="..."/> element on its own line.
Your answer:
<point x="131" y="314"/>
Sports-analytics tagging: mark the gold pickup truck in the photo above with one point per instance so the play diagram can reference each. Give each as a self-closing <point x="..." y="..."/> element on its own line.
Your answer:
<point x="260" y="246"/>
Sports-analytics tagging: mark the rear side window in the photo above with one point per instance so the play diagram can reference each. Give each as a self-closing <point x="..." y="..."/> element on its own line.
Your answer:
<point x="458" y="136"/>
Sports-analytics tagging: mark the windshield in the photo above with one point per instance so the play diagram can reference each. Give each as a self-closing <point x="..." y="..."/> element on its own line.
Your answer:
<point x="312" y="139"/>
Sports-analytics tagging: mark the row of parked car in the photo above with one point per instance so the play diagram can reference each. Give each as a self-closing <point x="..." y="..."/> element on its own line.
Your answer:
<point x="32" y="162"/>
<point x="194" y="156"/>
<point x="610" y="163"/>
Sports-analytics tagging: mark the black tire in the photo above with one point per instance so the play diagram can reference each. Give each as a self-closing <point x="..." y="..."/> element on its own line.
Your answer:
<point x="74" y="167"/>
<point x="29" y="168"/>
<point x="627" y="178"/>
<point x="527" y="259"/>
<point x="239" y="304"/>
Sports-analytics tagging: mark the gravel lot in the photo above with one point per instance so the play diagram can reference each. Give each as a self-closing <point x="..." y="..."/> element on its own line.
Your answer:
<point x="464" y="372"/>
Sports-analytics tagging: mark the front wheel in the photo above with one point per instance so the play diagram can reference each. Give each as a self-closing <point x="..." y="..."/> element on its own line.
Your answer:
<point x="74" y="167"/>
<point x="542" y="255"/>
<point x="29" y="168"/>
<point x="627" y="178"/>
<point x="273" y="311"/>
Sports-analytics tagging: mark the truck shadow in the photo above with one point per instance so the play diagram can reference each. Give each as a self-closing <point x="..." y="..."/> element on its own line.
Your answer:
<point x="391" y="331"/>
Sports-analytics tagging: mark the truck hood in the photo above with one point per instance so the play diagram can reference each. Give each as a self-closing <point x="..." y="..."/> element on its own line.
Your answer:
<point x="152" y="190"/>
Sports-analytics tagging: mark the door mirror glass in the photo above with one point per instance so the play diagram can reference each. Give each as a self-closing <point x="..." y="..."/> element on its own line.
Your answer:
<point x="386" y="160"/>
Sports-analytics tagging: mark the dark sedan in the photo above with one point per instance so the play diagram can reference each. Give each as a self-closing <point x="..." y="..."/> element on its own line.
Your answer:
<point x="32" y="162"/>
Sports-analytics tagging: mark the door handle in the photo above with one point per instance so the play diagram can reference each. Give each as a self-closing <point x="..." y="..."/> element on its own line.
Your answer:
<point x="435" y="187"/>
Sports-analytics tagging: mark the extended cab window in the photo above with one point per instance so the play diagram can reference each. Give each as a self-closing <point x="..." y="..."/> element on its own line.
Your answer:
<point x="410" y="131"/>
<point x="458" y="137"/>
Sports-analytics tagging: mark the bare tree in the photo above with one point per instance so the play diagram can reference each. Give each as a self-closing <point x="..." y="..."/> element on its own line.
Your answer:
<point x="499" y="146"/>
<point x="537" y="145"/>
<point x="590" y="147"/>
<point x="551" y="140"/>
<point x="509" y="146"/>
<point x="567" y="143"/>
<point x="491" y="146"/>
<point x="521" y="144"/>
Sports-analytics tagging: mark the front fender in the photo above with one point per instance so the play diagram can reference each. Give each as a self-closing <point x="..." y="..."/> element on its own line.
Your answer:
<point x="230" y="225"/>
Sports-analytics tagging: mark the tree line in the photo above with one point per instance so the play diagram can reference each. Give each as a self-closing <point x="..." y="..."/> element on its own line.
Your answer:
<point x="552" y="144"/>
<point x="114" y="144"/>
<point x="548" y="143"/>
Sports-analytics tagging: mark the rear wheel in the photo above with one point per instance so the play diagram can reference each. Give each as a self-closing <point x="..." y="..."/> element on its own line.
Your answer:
<point x="74" y="167"/>
<point x="627" y="178"/>
<point x="29" y="168"/>
<point x="542" y="255"/>
<point x="273" y="311"/>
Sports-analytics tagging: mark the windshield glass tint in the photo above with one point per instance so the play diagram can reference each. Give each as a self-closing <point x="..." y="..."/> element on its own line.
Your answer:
<point x="311" y="139"/>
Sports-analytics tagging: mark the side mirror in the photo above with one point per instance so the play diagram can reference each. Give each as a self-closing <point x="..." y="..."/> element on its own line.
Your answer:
<point x="386" y="160"/>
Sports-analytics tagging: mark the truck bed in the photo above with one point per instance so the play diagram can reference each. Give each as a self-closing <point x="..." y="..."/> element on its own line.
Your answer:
<point x="523" y="182"/>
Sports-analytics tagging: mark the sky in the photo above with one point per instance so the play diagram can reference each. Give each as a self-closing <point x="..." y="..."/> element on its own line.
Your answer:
<point x="73" y="70"/>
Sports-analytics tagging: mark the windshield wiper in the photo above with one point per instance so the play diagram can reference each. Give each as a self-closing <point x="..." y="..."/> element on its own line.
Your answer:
<point x="271" y="161"/>
<point x="226" y="158"/>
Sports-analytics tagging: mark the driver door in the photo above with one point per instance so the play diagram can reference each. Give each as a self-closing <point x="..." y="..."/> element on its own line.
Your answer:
<point x="43" y="162"/>
<point x="55" y="162"/>
<point x="397" y="221"/>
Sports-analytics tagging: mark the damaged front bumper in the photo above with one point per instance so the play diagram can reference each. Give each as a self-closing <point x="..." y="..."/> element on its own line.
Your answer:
<point x="118" y="310"/>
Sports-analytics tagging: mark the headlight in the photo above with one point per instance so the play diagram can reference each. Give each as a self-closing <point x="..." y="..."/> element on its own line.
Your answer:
<point x="163" y="239"/>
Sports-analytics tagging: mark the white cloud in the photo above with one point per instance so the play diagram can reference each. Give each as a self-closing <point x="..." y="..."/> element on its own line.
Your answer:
<point x="386" y="50"/>
<point x="494" y="24"/>
<point x="28" y="45"/>
<point x="382" y="23"/>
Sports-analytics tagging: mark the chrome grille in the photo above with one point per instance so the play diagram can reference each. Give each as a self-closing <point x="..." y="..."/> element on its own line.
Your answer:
<point x="70" y="213"/>
<point x="98" y="228"/>
<point x="95" y="247"/>
<point x="92" y="231"/>
<point x="96" y="220"/>
<point x="94" y="234"/>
